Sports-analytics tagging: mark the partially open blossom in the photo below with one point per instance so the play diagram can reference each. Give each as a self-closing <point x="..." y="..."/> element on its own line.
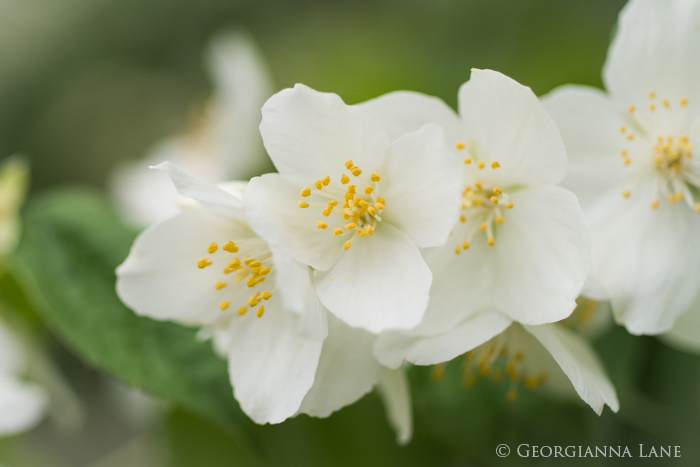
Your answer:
<point x="634" y="167"/>
<point x="223" y="144"/>
<point x="205" y="267"/>
<point x="354" y="204"/>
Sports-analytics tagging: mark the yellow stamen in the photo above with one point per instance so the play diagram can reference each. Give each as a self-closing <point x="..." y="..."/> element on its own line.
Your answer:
<point x="623" y="129"/>
<point x="361" y="233"/>
<point x="497" y="190"/>
<point x="326" y="180"/>
<point x="372" y="211"/>
<point x="368" y="190"/>
<point x="253" y="300"/>
<point x="260" y="312"/>
<point x="231" y="247"/>
<point x="306" y="192"/>
<point x="652" y="107"/>
<point x="626" y="193"/>
<point x="631" y="108"/>
<point x="242" y="310"/>
<point x="350" y="226"/>
<point x="465" y="245"/>
<point x="327" y="212"/>
<point x="494" y="199"/>
<point x="459" y="145"/>
<point x="652" y="95"/>
<point x="318" y="184"/>
<point x="509" y="205"/>
<point x="203" y="263"/>
<point x="457" y="250"/>
<point x="264" y="271"/>
<point x="223" y="305"/>
<point x="655" y="204"/>
<point x="498" y="219"/>
<point x="337" y="231"/>
<point x="344" y="179"/>
<point x="356" y="171"/>
<point x="219" y="285"/>
<point x="480" y="164"/>
<point x="321" y="225"/>
<point x="684" y="102"/>
<point x="266" y="295"/>
<point x="630" y="137"/>
<point x="379" y="206"/>
<point x="495" y="164"/>
<point x="375" y="177"/>
<point x="462" y="218"/>
<point x="482" y="227"/>
<point x="255" y="264"/>
<point x="490" y="241"/>
<point x="348" y="164"/>
<point x="467" y="160"/>
<point x="303" y="204"/>
<point x="697" y="207"/>
<point x="347" y="245"/>
<point x="665" y="102"/>
<point x="370" y="230"/>
<point x="212" y="247"/>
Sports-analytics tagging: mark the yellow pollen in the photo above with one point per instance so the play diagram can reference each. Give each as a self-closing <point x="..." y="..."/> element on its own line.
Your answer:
<point x="337" y="231"/>
<point x="467" y="160"/>
<point x="372" y="211"/>
<point x="370" y="230"/>
<point x="266" y="295"/>
<point x="321" y="225"/>
<point x="253" y="300"/>
<point x="332" y="204"/>
<point x="623" y="153"/>
<point x="497" y="190"/>
<point x="626" y="193"/>
<point x="368" y="190"/>
<point x="494" y="199"/>
<point x="631" y="108"/>
<point x="630" y="137"/>
<point x="379" y="206"/>
<point x="480" y="164"/>
<point x="361" y="233"/>
<point x="652" y="107"/>
<point x="326" y="180"/>
<point x="697" y="207"/>
<point x="264" y="271"/>
<point x="327" y="212"/>
<point x="462" y="218"/>
<point x="628" y="161"/>
<point x="665" y="102"/>
<point x="457" y="250"/>
<point x="498" y="219"/>
<point x="347" y="245"/>
<point x="490" y="241"/>
<point x="375" y="177"/>
<point x="477" y="185"/>
<point x="684" y="101"/>
<point x="318" y="184"/>
<point x="679" y="195"/>
<point x="212" y="247"/>
<point x="242" y="310"/>
<point x="303" y="204"/>
<point x="260" y="312"/>
<point x="482" y="227"/>
<point x="348" y="164"/>
<point x="655" y="204"/>
<point x="495" y="164"/>
<point x="356" y="171"/>
<point x="203" y="263"/>
<point x="306" y="192"/>
<point x="346" y="216"/>
<point x="344" y="179"/>
<point x="219" y="285"/>
<point x="357" y="201"/>
<point x="350" y="226"/>
<point x="465" y="245"/>
<point x="234" y="263"/>
<point x="459" y="145"/>
<point x="671" y="198"/>
<point x="652" y="95"/>
<point x="623" y="129"/>
<point x="231" y="247"/>
<point x="509" y="205"/>
<point x="255" y="264"/>
<point x="223" y="305"/>
<point x="381" y="200"/>
<point x="352" y="189"/>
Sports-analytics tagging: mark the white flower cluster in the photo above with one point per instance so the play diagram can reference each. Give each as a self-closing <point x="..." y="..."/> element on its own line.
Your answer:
<point x="397" y="230"/>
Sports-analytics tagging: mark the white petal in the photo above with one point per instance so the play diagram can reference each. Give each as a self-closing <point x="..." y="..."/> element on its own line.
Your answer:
<point x="271" y="364"/>
<point x="22" y="405"/>
<point x="310" y="134"/>
<point x="403" y="112"/>
<point x="160" y="277"/>
<point x="270" y="203"/>
<point x="380" y="283"/>
<point x="685" y="334"/>
<point x="209" y="195"/>
<point x="590" y="127"/>
<point x="243" y="84"/>
<point x="657" y="48"/>
<point x="393" y="348"/>
<point x="396" y="395"/>
<point x="580" y="363"/>
<point x="542" y="256"/>
<point x="423" y="185"/>
<point x="650" y="280"/>
<point x="346" y="371"/>
<point x="509" y="125"/>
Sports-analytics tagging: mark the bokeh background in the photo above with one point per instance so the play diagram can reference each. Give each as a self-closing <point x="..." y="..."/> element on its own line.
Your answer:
<point x="85" y="84"/>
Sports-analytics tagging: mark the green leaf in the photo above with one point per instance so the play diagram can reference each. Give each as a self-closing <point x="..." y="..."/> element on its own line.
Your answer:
<point x="71" y="246"/>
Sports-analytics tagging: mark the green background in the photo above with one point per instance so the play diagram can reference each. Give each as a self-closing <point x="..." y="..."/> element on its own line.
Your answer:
<point x="85" y="84"/>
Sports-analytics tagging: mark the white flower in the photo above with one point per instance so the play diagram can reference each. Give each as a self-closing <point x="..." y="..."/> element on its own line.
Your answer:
<point x="519" y="252"/>
<point x="633" y="166"/>
<point x="22" y="404"/>
<point x="13" y="186"/>
<point x="205" y="267"/>
<point x="225" y="145"/>
<point x="354" y="204"/>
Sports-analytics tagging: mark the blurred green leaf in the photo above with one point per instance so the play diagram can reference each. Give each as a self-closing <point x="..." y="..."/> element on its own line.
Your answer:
<point x="70" y="249"/>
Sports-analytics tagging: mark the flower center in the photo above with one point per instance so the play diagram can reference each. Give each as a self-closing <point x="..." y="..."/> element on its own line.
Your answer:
<point x="481" y="208"/>
<point x="673" y="172"/>
<point x="361" y="206"/>
<point x="252" y="266"/>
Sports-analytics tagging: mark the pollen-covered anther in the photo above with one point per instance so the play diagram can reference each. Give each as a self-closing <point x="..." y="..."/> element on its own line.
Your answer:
<point x="655" y="204"/>
<point x="219" y="285"/>
<point x="490" y="241"/>
<point x="368" y="190"/>
<point x="626" y="193"/>
<point x="459" y="145"/>
<point x="266" y="295"/>
<point x="369" y="229"/>
<point x="465" y="245"/>
<point x="498" y="219"/>
<point x="204" y="262"/>
<point x="497" y="191"/>
<point x="344" y="179"/>
<point x="480" y="164"/>
<point x="482" y="227"/>
<point x="495" y="164"/>
<point x="242" y="310"/>
<point x="623" y="129"/>
<point x="684" y="102"/>
<point x="306" y="192"/>
<point x="509" y="205"/>
<point x="631" y="109"/>
<point x="211" y="249"/>
<point x="337" y="231"/>
<point x="223" y="305"/>
<point x="231" y="247"/>
<point x="457" y="250"/>
<point x="356" y="171"/>
<point x="321" y="225"/>
<point x="467" y="160"/>
<point x="303" y="204"/>
<point x="697" y="207"/>
<point x="494" y="199"/>
<point x="260" y="312"/>
<point x="347" y="245"/>
<point x="350" y="226"/>
<point x="349" y="164"/>
<point x="318" y="184"/>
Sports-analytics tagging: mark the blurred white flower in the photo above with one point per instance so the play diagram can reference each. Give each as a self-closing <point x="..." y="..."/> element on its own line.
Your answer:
<point x="205" y="267"/>
<point x="633" y="166"/>
<point x="225" y="145"/>
<point x="354" y="204"/>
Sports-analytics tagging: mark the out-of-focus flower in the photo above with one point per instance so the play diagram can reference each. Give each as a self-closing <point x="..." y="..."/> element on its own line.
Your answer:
<point x="633" y="166"/>
<point x="224" y="145"/>
<point x="519" y="251"/>
<point x="354" y="204"/>
<point x="13" y="188"/>
<point x="205" y="267"/>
